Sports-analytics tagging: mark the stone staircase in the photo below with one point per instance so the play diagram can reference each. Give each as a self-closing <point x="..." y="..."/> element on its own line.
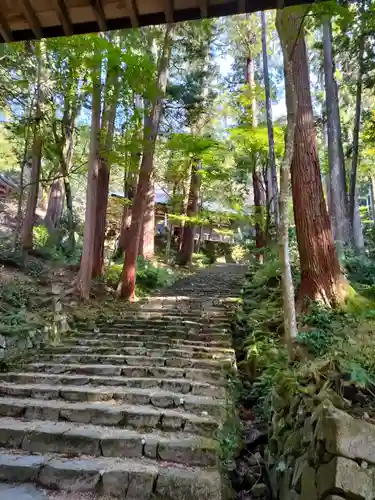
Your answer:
<point x="130" y="410"/>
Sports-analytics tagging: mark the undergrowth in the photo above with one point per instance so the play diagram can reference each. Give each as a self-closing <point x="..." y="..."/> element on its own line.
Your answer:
<point x="149" y="276"/>
<point x="337" y="345"/>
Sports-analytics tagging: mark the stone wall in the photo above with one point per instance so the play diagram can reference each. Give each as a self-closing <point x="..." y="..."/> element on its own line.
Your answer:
<point x="319" y="451"/>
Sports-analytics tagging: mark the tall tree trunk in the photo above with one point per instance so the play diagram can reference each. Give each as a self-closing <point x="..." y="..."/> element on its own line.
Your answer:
<point x="337" y="183"/>
<point x="151" y="130"/>
<point x="107" y="130"/>
<point x="147" y="240"/>
<point x="55" y="205"/>
<point x="290" y="323"/>
<point x="188" y="236"/>
<point x="321" y="277"/>
<point x="32" y="199"/>
<point x="356" y="129"/>
<point x="273" y="190"/>
<point x="260" y="237"/>
<point x="83" y="282"/>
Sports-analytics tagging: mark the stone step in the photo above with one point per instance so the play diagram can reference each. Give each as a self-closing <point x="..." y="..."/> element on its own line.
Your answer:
<point x="201" y="375"/>
<point x="114" y="478"/>
<point x="143" y="337"/>
<point x="183" y="385"/>
<point x="170" y="327"/>
<point x="132" y="396"/>
<point x="78" y="439"/>
<point x="150" y="344"/>
<point x="175" y="362"/>
<point x="197" y="353"/>
<point x="140" y="417"/>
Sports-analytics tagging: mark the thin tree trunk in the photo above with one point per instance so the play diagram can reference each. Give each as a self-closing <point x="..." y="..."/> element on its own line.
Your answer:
<point x="83" y="282"/>
<point x="184" y="205"/>
<point x="357" y="125"/>
<point x="337" y="184"/>
<point x="260" y="236"/>
<point x="70" y="214"/>
<point x="259" y="203"/>
<point x="290" y="323"/>
<point x="359" y="242"/>
<point x="32" y="199"/>
<point x="273" y="189"/>
<point x="188" y="236"/>
<point x="127" y="285"/>
<point x="372" y="198"/>
<point x="321" y="277"/>
<point x="147" y="240"/>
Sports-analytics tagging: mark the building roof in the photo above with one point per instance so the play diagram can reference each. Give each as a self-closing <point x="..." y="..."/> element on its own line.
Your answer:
<point x="35" y="19"/>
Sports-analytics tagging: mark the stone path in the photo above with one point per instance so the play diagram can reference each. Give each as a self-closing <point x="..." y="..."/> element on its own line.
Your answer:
<point x="132" y="409"/>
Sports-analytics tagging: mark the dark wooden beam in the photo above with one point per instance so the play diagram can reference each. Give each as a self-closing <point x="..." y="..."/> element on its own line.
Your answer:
<point x="63" y="15"/>
<point x="99" y="14"/>
<point x="5" y="31"/>
<point x="169" y="11"/>
<point x="203" y="4"/>
<point x="31" y="19"/>
<point x="131" y="7"/>
<point x="241" y="6"/>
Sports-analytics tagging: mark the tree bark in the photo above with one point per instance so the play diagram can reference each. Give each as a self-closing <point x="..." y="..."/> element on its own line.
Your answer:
<point x="188" y="236"/>
<point x="356" y="129"/>
<point x="259" y="203"/>
<point x="83" y="282"/>
<point x="55" y="205"/>
<point x="259" y="199"/>
<point x="107" y="130"/>
<point x="273" y="189"/>
<point x="359" y="242"/>
<point x="147" y="240"/>
<point x="337" y="183"/>
<point x="321" y="277"/>
<point x="151" y="130"/>
<point x="32" y="199"/>
<point x="290" y="322"/>
<point x="372" y="198"/>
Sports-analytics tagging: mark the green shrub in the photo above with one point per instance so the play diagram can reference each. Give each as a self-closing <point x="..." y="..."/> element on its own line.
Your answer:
<point x="359" y="268"/>
<point x="40" y="236"/>
<point x="149" y="276"/>
<point x="17" y="294"/>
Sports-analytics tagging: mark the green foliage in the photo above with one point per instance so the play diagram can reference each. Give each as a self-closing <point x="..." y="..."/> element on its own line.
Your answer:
<point x="230" y="433"/>
<point x="149" y="276"/>
<point x="40" y="235"/>
<point x="360" y="269"/>
<point x="17" y="294"/>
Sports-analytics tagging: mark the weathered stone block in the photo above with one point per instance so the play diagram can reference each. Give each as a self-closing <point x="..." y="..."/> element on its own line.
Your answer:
<point x="187" y="451"/>
<point x="16" y="468"/>
<point x="142" y="420"/>
<point x="126" y="444"/>
<point x="70" y="475"/>
<point x="176" y="484"/>
<point x="345" y="476"/>
<point x="346" y="436"/>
